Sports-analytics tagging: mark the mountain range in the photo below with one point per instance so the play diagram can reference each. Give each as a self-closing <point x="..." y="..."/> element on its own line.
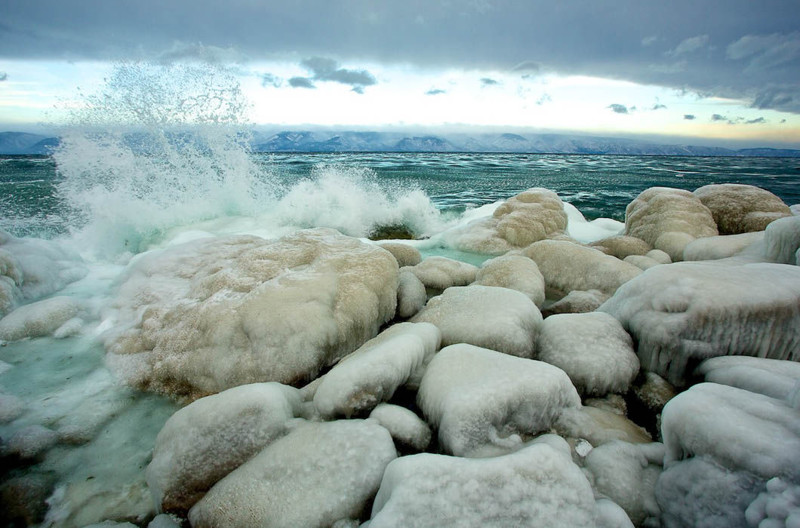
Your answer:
<point x="353" y="141"/>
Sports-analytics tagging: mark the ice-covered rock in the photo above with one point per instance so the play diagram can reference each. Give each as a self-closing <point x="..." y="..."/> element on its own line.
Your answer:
<point x="668" y="219"/>
<point x="622" y="246"/>
<point x="32" y="268"/>
<point x="31" y="441"/>
<point x="585" y="232"/>
<point x="406" y="254"/>
<point x="771" y="377"/>
<point x="408" y="430"/>
<point x="479" y="399"/>
<point x="690" y="311"/>
<point x="530" y="216"/>
<point x="212" y="436"/>
<point x="11" y="407"/>
<point x="38" y="319"/>
<point x="535" y="486"/>
<point x="317" y="475"/>
<point x="778" y="505"/>
<point x="567" y="267"/>
<point x="440" y="273"/>
<point x="740" y="430"/>
<point x="642" y="262"/>
<point x="514" y="272"/>
<point x="598" y="426"/>
<point x="164" y="521"/>
<point x="411" y="295"/>
<point x="486" y="316"/>
<point x="782" y="240"/>
<point x="372" y="374"/>
<point x="626" y="473"/>
<point x="576" y="301"/>
<point x="211" y="314"/>
<point x="659" y="256"/>
<point x="592" y="348"/>
<point x="741" y="208"/>
<point x="719" y="247"/>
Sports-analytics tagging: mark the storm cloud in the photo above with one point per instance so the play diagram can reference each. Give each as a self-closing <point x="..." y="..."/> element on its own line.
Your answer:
<point x="618" y="108"/>
<point x="750" y="51"/>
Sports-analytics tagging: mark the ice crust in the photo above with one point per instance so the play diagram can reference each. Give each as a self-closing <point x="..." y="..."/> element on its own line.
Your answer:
<point x="477" y="398"/>
<point x="38" y="319"/>
<point x="782" y="240"/>
<point x="212" y="436"/>
<point x="407" y="429"/>
<point x="372" y="374"/>
<point x="778" y="505"/>
<point x="439" y="273"/>
<point x="741" y="208"/>
<point x="686" y="312"/>
<point x="668" y="219"/>
<point x="592" y="348"/>
<point x="536" y="486"/>
<point x="770" y="377"/>
<point x="211" y="314"/>
<point x="317" y="475"/>
<point x="486" y="316"/>
<point x="719" y="247"/>
<point x="516" y="273"/>
<point x="567" y="266"/>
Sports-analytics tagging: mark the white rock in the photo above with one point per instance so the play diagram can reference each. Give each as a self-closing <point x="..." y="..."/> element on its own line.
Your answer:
<point x="486" y="316"/>
<point x="535" y="486"/>
<point x="439" y="273"/>
<point x="38" y="319"/>
<point x="567" y="267"/>
<point x="317" y="475"/>
<point x="686" y="312"/>
<point x="741" y="208"/>
<point x="411" y="295"/>
<point x="770" y="377"/>
<point x="407" y="429"/>
<point x="212" y="436"/>
<point x="211" y="314"/>
<point x="592" y="348"/>
<point x="514" y="272"/>
<point x="372" y="374"/>
<point x="478" y="398"/>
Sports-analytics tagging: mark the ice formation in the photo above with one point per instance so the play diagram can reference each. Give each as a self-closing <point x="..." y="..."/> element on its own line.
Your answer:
<point x="408" y="430"/>
<point x="778" y="505"/>
<point x="576" y="301"/>
<point x="686" y="312"/>
<point x="642" y="262"/>
<point x="598" y="426"/>
<point x="514" y="272"/>
<point x="317" y="475"/>
<point x="372" y="374"/>
<point x="592" y="348"/>
<point x="486" y="316"/>
<point x="411" y="295"/>
<point x="770" y="377"/>
<point x="585" y="232"/>
<point x="212" y="436"/>
<point x="622" y="246"/>
<point x="211" y="314"/>
<point x="38" y="319"/>
<point x="439" y="273"/>
<point x="406" y="254"/>
<point x="741" y="208"/>
<point x="668" y="219"/>
<point x="719" y="247"/>
<point x="782" y="240"/>
<point x="567" y="267"/>
<point x="521" y="220"/>
<point x="538" y="485"/>
<point x="477" y="398"/>
<point x="32" y="268"/>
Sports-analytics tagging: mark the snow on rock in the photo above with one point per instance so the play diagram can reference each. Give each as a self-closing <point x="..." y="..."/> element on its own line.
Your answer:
<point x="211" y="314"/>
<point x="576" y="301"/>
<point x="592" y="348"/>
<point x="740" y="430"/>
<point x="212" y="436"/>
<point x="622" y="246"/>
<point x="406" y="254"/>
<point x="585" y="232"/>
<point x="626" y="473"/>
<point x="668" y="219"/>
<point x="514" y="272"/>
<point x="317" y="475"/>
<point x="38" y="319"/>
<point x="741" y="208"/>
<point x="686" y="312"/>
<point x="521" y="220"/>
<point x="486" y="316"/>
<point x="778" y="505"/>
<point x="440" y="273"/>
<point x="479" y="399"/>
<point x="771" y="377"/>
<point x="538" y="485"/>
<point x="567" y="267"/>
<point x="32" y="268"/>
<point x="599" y="426"/>
<point x="372" y="374"/>
<point x="719" y="247"/>
<point x="408" y="430"/>
<point x="411" y="295"/>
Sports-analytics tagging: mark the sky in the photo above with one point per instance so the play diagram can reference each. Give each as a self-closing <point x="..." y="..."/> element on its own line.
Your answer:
<point x="694" y="71"/>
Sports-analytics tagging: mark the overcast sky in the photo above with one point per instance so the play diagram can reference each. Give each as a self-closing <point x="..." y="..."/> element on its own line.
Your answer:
<point x="595" y="65"/>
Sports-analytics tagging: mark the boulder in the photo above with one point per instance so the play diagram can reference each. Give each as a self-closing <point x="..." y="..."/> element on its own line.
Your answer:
<point x="38" y="319"/>
<point x="440" y="273"/>
<point x="720" y="247"/>
<point x="741" y="208"/>
<point x="411" y="295"/>
<point x="576" y="301"/>
<point x="622" y="246"/>
<point x="514" y="272"/>
<point x="408" y="430"/>
<point x="406" y="254"/>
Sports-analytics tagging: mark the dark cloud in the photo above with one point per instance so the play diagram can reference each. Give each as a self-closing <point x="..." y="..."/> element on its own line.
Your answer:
<point x="756" y="121"/>
<point x="187" y="52"/>
<point x="271" y="80"/>
<point x="658" y="106"/>
<point x="618" y="108"/>
<point x="718" y="117"/>
<point x="325" y="69"/>
<point x="435" y="91"/>
<point x="527" y="67"/>
<point x="689" y="117"/>
<point x="486" y="81"/>
<point x="3" y="76"/>
<point x="301" y="82"/>
<point x="751" y="51"/>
